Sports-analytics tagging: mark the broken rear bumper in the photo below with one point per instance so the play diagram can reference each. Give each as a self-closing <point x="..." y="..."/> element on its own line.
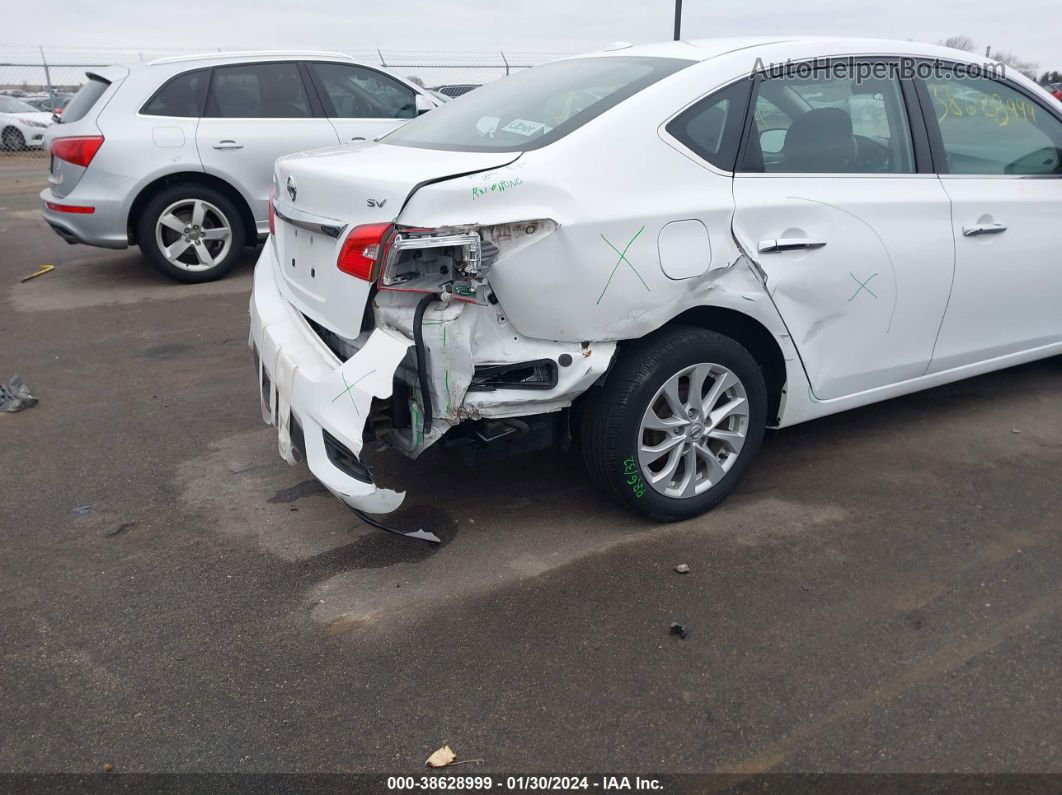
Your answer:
<point x="318" y="403"/>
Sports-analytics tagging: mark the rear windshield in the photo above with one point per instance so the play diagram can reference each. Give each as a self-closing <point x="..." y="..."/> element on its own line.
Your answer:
<point x="535" y="108"/>
<point x="84" y="99"/>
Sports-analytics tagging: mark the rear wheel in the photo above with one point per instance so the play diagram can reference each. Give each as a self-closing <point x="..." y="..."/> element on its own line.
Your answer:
<point x="191" y="233"/>
<point x="677" y="424"/>
<point x="14" y="140"/>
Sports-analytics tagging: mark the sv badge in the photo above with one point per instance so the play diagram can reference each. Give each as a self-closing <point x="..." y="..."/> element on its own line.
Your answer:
<point x="375" y="202"/>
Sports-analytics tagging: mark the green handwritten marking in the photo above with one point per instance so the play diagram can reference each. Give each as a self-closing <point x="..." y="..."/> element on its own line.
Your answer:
<point x="500" y="186"/>
<point x="449" y="397"/>
<point x="350" y="387"/>
<point x="444" y="336"/>
<point x="633" y="477"/>
<point x="418" y="426"/>
<point x="622" y="259"/>
<point x="862" y="287"/>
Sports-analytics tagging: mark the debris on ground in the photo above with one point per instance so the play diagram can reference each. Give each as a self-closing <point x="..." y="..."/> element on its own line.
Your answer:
<point x="1015" y="430"/>
<point x="683" y="568"/>
<point x="108" y="767"/>
<point x="441" y="758"/>
<point x="43" y="269"/>
<point x="15" y="395"/>
<point x="124" y="527"/>
<point x="82" y="510"/>
<point x="678" y="629"/>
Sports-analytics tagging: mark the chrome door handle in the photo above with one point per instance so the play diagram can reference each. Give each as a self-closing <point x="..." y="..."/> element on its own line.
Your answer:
<point x="228" y="143"/>
<point x="788" y="244"/>
<point x="974" y="230"/>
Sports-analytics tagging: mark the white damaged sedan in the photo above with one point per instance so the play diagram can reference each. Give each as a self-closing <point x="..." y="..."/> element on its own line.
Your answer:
<point x="659" y="251"/>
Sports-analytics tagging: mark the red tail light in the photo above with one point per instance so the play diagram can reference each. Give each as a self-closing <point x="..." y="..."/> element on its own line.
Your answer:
<point x="78" y="151"/>
<point x="272" y="215"/>
<point x="363" y="250"/>
<point x="70" y="208"/>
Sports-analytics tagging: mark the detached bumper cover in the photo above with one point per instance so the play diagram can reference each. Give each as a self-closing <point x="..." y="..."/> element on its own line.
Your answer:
<point x="304" y="383"/>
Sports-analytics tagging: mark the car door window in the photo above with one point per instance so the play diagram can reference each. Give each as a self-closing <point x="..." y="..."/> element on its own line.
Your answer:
<point x="712" y="127"/>
<point x="181" y="96"/>
<point x="829" y="122"/>
<point x="356" y="92"/>
<point x="987" y="127"/>
<point x="258" y="91"/>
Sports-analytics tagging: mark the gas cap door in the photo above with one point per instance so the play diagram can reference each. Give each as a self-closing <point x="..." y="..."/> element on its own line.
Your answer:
<point x="685" y="250"/>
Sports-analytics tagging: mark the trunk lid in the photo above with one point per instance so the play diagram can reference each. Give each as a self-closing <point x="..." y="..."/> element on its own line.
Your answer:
<point x="321" y="196"/>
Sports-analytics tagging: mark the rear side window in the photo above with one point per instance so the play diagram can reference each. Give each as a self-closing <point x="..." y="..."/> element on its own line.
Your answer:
<point x="831" y="121"/>
<point x="354" y="92"/>
<point x="987" y="127"/>
<point x="258" y="91"/>
<point x="85" y="98"/>
<point x="712" y="127"/>
<point x="180" y="96"/>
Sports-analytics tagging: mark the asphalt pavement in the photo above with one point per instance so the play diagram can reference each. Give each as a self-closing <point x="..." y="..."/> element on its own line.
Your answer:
<point x="882" y="593"/>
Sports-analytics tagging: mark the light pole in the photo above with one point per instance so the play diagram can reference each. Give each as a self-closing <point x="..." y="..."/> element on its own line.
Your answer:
<point x="678" y="19"/>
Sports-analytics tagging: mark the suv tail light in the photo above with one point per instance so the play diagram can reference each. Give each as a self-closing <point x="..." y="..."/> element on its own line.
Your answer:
<point x="363" y="250"/>
<point x="79" y="150"/>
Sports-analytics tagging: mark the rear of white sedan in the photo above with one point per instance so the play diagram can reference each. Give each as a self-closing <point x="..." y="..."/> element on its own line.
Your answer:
<point x="659" y="250"/>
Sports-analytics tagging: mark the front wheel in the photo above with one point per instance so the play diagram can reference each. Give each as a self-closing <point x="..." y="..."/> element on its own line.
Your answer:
<point x="191" y="233"/>
<point x="677" y="424"/>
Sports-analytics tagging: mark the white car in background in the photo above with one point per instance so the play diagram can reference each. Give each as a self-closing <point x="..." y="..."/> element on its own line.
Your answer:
<point x="176" y="155"/>
<point x="22" y="126"/>
<point x="660" y="251"/>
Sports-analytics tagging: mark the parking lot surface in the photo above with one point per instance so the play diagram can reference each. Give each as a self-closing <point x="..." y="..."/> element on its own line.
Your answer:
<point x="883" y="593"/>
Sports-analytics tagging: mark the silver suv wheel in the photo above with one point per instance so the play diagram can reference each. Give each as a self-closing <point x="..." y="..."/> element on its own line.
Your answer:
<point x="693" y="430"/>
<point x="193" y="234"/>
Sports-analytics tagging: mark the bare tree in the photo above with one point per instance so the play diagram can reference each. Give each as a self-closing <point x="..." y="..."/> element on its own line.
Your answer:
<point x="960" y="43"/>
<point x="1008" y="59"/>
<point x="1012" y="61"/>
<point x="416" y="80"/>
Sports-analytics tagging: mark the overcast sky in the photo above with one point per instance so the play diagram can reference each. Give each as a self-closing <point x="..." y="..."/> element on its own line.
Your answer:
<point x="1029" y="28"/>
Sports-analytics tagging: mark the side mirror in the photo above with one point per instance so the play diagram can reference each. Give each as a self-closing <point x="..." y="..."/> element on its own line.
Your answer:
<point x="424" y="104"/>
<point x="772" y="141"/>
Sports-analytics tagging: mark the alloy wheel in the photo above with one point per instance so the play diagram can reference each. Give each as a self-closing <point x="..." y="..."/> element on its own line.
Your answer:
<point x="193" y="234"/>
<point x="693" y="430"/>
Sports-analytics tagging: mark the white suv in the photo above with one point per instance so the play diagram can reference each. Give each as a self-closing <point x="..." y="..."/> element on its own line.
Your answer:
<point x="177" y="155"/>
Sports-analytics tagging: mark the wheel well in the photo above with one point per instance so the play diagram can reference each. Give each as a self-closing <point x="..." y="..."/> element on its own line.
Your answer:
<point x="198" y="178"/>
<point x="754" y="336"/>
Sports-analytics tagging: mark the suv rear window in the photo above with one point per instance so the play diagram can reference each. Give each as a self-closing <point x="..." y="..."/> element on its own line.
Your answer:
<point x="84" y="99"/>
<point x="535" y="108"/>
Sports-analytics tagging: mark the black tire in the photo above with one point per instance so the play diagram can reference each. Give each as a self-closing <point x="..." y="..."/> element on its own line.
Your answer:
<point x="13" y="140"/>
<point x="612" y="417"/>
<point x="189" y="192"/>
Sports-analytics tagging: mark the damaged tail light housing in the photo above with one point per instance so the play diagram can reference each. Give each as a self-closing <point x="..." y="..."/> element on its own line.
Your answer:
<point x="272" y="214"/>
<point x="363" y="250"/>
<point x="453" y="259"/>
<point x="78" y="150"/>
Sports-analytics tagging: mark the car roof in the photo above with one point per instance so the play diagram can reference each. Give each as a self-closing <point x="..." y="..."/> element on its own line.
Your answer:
<point x="706" y="49"/>
<point x="258" y="55"/>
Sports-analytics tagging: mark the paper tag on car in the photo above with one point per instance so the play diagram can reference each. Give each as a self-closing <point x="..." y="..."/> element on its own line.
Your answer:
<point x="523" y="127"/>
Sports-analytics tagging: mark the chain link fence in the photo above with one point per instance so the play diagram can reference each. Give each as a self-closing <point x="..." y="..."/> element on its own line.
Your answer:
<point x="35" y="81"/>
